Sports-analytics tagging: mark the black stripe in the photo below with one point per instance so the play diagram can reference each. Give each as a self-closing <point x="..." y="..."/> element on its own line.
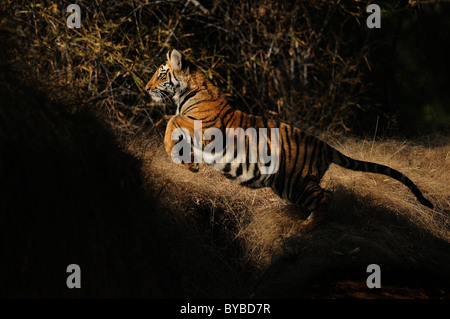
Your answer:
<point x="192" y="106"/>
<point x="254" y="178"/>
<point x="196" y="103"/>
<point x="312" y="160"/>
<point x="241" y="117"/>
<point x="252" y="121"/>
<point x="281" y="170"/>
<point x="288" y="141"/>
<point x="305" y="159"/>
<point x="303" y="191"/>
<point x="219" y="114"/>
<point x="265" y="124"/>
<point x="268" y="147"/>
<point x="300" y="171"/>
<point x="189" y="96"/>
<point x="222" y="105"/>
<point x="176" y="78"/>
<point x="330" y="151"/>
<point x="247" y="149"/>
<point x="288" y="176"/>
<point x="201" y="119"/>
<point x="229" y="176"/>
<point x="294" y="168"/>
<point x="227" y="168"/>
<point x="239" y="170"/>
<point x="323" y="158"/>
<point x="229" y="119"/>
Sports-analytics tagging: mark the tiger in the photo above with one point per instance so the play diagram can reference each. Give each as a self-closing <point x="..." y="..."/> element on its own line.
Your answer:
<point x="303" y="159"/>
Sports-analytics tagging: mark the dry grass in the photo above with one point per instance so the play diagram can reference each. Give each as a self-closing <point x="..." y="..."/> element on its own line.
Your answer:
<point x="186" y="235"/>
<point x="307" y="62"/>
<point x="373" y="219"/>
<point x="428" y="166"/>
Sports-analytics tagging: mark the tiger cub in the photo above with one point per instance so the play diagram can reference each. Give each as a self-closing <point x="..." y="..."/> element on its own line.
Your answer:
<point x="302" y="159"/>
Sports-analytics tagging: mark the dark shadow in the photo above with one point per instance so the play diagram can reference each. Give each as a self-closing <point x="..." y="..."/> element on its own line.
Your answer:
<point x="70" y="195"/>
<point x="331" y="261"/>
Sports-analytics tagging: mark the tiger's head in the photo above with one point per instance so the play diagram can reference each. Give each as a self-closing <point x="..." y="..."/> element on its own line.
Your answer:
<point x="171" y="78"/>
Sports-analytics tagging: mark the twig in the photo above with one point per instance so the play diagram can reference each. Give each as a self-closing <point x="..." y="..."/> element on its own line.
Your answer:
<point x="137" y="25"/>
<point x="173" y="29"/>
<point x="400" y="148"/>
<point x="199" y="5"/>
<point x="375" y="135"/>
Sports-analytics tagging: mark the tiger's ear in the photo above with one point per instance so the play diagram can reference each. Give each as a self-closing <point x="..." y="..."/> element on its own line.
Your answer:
<point x="174" y="57"/>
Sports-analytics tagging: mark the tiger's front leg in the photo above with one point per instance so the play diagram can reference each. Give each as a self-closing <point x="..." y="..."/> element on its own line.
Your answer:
<point x="183" y="123"/>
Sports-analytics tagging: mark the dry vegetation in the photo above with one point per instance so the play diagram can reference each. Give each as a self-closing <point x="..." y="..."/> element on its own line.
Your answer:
<point x="373" y="219"/>
<point x="284" y="59"/>
<point x="83" y="176"/>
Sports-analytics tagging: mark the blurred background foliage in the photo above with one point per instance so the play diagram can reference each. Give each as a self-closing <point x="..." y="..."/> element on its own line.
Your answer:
<point x="314" y="64"/>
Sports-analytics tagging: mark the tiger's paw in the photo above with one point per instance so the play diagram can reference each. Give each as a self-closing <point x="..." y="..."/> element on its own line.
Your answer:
<point x="311" y="222"/>
<point x="306" y="227"/>
<point x="193" y="167"/>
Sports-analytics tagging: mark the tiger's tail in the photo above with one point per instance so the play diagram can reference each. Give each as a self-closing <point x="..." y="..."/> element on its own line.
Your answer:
<point x="356" y="165"/>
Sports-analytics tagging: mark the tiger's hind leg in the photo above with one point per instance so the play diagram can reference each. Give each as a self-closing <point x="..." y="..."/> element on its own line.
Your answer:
<point x="317" y="201"/>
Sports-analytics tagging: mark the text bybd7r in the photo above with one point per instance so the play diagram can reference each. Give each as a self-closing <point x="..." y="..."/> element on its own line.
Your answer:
<point x="239" y="308"/>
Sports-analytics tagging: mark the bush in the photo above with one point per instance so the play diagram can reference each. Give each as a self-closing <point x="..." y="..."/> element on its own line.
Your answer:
<point x="304" y="62"/>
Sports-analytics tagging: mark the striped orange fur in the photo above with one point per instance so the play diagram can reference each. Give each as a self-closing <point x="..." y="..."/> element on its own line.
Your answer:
<point x="303" y="159"/>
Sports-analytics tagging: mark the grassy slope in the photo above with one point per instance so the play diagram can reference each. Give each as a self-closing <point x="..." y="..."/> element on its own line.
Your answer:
<point x="240" y="241"/>
<point x="139" y="225"/>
